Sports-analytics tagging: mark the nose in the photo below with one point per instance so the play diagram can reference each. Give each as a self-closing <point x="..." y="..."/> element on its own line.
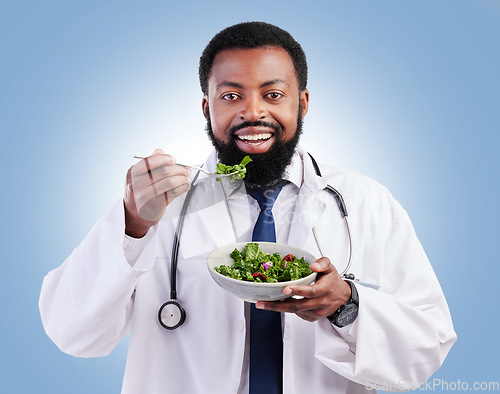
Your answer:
<point x="253" y="108"/>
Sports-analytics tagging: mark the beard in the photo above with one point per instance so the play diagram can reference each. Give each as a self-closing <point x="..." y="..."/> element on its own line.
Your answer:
<point x="266" y="169"/>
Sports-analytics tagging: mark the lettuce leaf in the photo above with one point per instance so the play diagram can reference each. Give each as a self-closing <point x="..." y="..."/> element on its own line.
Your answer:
<point x="239" y="170"/>
<point x="252" y="252"/>
<point x="250" y="262"/>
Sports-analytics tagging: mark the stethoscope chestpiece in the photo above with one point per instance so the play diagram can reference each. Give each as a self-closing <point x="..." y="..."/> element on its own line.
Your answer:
<point x="171" y="315"/>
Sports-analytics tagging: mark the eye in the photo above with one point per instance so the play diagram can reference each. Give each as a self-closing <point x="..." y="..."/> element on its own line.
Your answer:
<point x="274" y="95"/>
<point x="230" y="96"/>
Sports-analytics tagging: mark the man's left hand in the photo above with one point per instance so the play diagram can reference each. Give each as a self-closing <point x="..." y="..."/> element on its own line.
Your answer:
<point x="320" y="299"/>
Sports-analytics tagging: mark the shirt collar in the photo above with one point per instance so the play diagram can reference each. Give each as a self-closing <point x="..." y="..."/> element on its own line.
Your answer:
<point x="295" y="170"/>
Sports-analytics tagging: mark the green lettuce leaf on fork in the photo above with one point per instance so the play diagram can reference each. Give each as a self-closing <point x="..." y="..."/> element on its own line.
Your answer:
<point x="239" y="170"/>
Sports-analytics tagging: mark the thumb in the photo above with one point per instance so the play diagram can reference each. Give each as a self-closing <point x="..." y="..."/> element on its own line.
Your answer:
<point x="323" y="264"/>
<point x="158" y="151"/>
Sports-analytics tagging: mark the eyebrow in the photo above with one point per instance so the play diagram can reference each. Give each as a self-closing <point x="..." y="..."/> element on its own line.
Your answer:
<point x="240" y="86"/>
<point x="274" y="82"/>
<point x="229" y="84"/>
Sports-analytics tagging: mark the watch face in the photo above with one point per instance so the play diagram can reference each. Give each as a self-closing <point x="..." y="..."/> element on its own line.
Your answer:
<point x="348" y="315"/>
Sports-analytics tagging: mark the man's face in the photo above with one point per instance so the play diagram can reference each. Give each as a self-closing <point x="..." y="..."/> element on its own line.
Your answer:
<point x="254" y="105"/>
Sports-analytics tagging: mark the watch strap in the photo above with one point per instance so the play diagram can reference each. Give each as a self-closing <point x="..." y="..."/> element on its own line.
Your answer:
<point x="354" y="293"/>
<point x="353" y="300"/>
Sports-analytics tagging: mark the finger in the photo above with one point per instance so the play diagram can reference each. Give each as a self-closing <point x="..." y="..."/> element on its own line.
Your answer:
<point x="128" y="185"/>
<point x="170" y="183"/>
<point x="176" y="192"/>
<point x="152" y="208"/>
<point x="307" y="309"/>
<point x="307" y="291"/>
<point x="324" y="285"/>
<point x="310" y="317"/>
<point x="290" y="306"/>
<point x="327" y="277"/>
<point x="171" y="194"/>
<point x="151" y="181"/>
<point x="151" y="191"/>
<point x="170" y="170"/>
<point x="152" y="162"/>
<point x="143" y="180"/>
<point x="323" y="264"/>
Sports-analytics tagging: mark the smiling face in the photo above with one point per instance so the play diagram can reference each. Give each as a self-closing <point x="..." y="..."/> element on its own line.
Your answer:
<point x="254" y="105"/>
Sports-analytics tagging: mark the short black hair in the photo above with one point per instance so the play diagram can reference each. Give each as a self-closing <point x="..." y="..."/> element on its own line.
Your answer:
<point x="249" y="35"/>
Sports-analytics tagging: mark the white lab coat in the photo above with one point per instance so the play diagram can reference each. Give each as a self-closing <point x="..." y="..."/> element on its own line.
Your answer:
<point x="400" y="338"/>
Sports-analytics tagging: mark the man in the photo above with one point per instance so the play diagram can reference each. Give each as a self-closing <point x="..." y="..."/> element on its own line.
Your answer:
<point x="253" y="77"/>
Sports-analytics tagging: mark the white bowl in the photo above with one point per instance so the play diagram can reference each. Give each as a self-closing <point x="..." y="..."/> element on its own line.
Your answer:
<point x="252" y="291"/>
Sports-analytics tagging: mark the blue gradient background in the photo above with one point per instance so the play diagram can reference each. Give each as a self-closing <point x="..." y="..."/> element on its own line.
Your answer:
<point x="406" y="92"/>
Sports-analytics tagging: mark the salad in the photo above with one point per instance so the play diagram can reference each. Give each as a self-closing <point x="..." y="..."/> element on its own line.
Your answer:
<point x="239" y="169"/>
<point x="253" y="265"/>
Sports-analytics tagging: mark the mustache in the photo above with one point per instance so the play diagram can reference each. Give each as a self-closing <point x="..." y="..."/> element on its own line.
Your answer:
<point x="258" y="123"/>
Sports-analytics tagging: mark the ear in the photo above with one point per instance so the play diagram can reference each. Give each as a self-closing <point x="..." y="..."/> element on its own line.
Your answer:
<point x="204" y="107"/>
<point x="304" y="100"/>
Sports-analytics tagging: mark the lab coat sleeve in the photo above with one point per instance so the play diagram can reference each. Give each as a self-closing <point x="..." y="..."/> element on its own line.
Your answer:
<point x="86" y="303"/>
<point x="403" y="331"/>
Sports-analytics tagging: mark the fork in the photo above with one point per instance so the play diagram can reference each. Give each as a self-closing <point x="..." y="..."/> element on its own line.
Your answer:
<point x="195" y="168"/>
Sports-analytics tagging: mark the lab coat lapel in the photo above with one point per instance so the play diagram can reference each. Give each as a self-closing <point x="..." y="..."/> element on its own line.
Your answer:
<point x="218" y="224"/>
<point x="216" y="219"/>
<point x="308" y="208"/>
<point x="211" y="207"/>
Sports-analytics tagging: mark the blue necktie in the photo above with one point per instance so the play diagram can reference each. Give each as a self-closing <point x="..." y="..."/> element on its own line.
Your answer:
<point x="266" y="342"/>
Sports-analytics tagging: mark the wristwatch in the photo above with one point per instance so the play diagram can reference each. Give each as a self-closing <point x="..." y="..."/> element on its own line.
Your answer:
<point x="348" y="312"/>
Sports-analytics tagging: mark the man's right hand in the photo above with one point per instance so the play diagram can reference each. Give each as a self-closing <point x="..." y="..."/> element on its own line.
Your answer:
<point x="152" y="184"/>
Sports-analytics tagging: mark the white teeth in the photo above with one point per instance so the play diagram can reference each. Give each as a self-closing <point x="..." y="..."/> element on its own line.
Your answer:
<point x="255" y="137"/>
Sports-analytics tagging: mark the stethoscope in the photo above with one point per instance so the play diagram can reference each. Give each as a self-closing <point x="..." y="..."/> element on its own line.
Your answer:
<point x="171" y="314"/>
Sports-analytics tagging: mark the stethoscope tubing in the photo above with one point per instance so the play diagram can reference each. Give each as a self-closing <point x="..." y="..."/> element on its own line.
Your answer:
<point x="177" y="240"/>
<point x="173" y="309"/>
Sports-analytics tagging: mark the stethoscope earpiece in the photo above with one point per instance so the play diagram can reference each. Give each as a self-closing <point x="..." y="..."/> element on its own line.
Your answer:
<point x="171" y="315"/>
